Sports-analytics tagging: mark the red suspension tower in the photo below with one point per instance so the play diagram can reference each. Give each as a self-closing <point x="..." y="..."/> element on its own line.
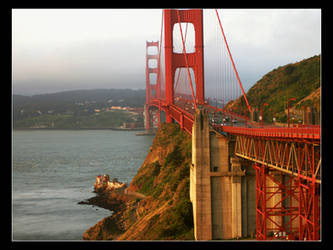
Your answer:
<point x="178" y="60"/>
<point x="152" y="89"/>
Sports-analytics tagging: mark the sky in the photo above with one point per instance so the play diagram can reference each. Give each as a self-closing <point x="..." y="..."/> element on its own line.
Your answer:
<point x="56" y="50"/>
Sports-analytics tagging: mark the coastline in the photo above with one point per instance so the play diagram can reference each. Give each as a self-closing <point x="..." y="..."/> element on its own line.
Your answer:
<point x="156" y="204"/>
<point x="57" y="169"/>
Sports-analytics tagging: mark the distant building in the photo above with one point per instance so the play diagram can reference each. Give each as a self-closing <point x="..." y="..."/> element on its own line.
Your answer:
<point x="118" y="108"/>
<point x="129" y="125"/>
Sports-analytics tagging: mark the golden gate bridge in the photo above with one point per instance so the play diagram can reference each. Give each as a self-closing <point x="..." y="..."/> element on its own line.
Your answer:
<point x="176" y="88"/>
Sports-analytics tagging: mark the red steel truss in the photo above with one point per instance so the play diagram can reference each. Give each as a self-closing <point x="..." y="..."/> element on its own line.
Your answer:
<point x="309" y="210"/>
<point x="299" y="158"/>
<point x="291" y="170"/>
<point x="276" y="205"/>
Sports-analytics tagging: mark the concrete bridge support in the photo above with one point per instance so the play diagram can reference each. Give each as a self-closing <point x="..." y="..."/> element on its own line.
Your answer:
<point x="222" y="186"/>
<point x="200" y="183"/>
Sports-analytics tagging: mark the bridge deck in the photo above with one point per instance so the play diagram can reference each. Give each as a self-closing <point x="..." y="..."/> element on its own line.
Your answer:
<point x="185" y="119"/>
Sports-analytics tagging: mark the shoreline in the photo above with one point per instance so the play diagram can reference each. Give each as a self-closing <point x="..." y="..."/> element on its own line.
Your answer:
<point x="112" y="226"/>
<point x="152" y="207"/>
<point x="116" y="197"/>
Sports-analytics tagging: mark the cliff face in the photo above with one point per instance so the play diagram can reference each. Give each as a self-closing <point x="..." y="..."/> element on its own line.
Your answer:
<point x="159" y="207"/>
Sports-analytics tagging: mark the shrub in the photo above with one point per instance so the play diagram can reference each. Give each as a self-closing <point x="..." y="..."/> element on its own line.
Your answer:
<point x="174" y="158"/>
<point x="156" y="168"/>
<point x="184" y="213"/>
<point x="147" y="185"/>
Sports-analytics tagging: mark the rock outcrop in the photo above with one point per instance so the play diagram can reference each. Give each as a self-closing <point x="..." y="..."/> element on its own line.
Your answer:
<point x="103" y="184"/>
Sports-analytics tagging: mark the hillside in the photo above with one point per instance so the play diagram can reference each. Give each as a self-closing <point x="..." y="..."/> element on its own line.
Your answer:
<point x="166" y="212"/>
<point x="76" y="109"/>
<point x="300" y="80"/>
<point x="116" y="96"/>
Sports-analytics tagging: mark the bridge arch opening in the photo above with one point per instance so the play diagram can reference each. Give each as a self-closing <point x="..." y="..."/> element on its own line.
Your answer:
<point x="152" y="78"/>
<point x="152" y="63"/>
<point x="188" y="36"/>
<point x="182" y="87"/>
<point x="152" y="50"/>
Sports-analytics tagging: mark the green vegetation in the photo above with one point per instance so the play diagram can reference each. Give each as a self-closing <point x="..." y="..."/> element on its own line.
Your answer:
<point x="180" y="220"/>
<point x="166" y="182"/>
<point x="293" y="80"/>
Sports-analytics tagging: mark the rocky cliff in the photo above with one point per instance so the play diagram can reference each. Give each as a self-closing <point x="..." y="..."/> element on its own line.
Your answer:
<point x="156" y="205"/>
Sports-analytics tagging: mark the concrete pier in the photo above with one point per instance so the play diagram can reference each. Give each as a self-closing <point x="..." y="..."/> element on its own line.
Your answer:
<point x="222" y="186"/>
<point x="200" y="190"/>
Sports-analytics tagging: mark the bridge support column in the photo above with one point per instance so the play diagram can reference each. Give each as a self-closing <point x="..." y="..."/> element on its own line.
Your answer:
<point x="200" y="186"/>
<point x="146" y="117"/>
<point x="236" y="197"/>
<point x="221" y="192"/>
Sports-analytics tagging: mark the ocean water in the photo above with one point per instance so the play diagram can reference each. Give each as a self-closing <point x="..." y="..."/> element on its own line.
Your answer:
<point x="53" y="170"/>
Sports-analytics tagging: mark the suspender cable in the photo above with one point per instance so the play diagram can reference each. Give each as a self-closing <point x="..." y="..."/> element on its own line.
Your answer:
<point x="159" y="61"/>
<point x="232" y="61"/>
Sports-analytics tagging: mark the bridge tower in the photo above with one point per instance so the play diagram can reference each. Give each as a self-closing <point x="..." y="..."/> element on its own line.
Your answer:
<point x="152" y="89"/>
<point x="177" y="60"/>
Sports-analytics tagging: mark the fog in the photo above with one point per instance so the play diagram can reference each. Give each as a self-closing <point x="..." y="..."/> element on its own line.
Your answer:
<point x="64" y="49"/>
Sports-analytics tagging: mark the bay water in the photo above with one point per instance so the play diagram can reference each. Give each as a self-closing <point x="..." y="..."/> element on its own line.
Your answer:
<point x="53" y="170"/>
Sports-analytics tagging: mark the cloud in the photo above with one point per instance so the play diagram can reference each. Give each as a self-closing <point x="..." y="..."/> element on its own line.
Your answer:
<point x="94" y="64"/>
<point x="85" y="48"/>
<point x="56" y="49"/>
<point x="261" y="40"/>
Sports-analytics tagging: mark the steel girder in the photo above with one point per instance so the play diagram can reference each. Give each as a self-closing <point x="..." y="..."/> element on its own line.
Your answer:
<point x="299" y="158"/>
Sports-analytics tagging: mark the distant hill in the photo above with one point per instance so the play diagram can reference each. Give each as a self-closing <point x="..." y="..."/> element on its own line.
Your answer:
<point x="300" y="80"/>
<point x="131" y="97"/>
<point x="75" y="103"/>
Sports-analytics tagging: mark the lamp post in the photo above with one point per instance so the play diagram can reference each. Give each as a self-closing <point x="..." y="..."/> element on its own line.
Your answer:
<point x="290" y="99"/>
<point x="245" y="115"/>
<point x="293" y="118"/>
<point x="261" y="114"/>
<point x="274" y="118"/>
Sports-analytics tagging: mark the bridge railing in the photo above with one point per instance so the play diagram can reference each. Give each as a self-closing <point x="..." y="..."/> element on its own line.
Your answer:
<point x="296" y="133"/>
<point x="184" y="118"/>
